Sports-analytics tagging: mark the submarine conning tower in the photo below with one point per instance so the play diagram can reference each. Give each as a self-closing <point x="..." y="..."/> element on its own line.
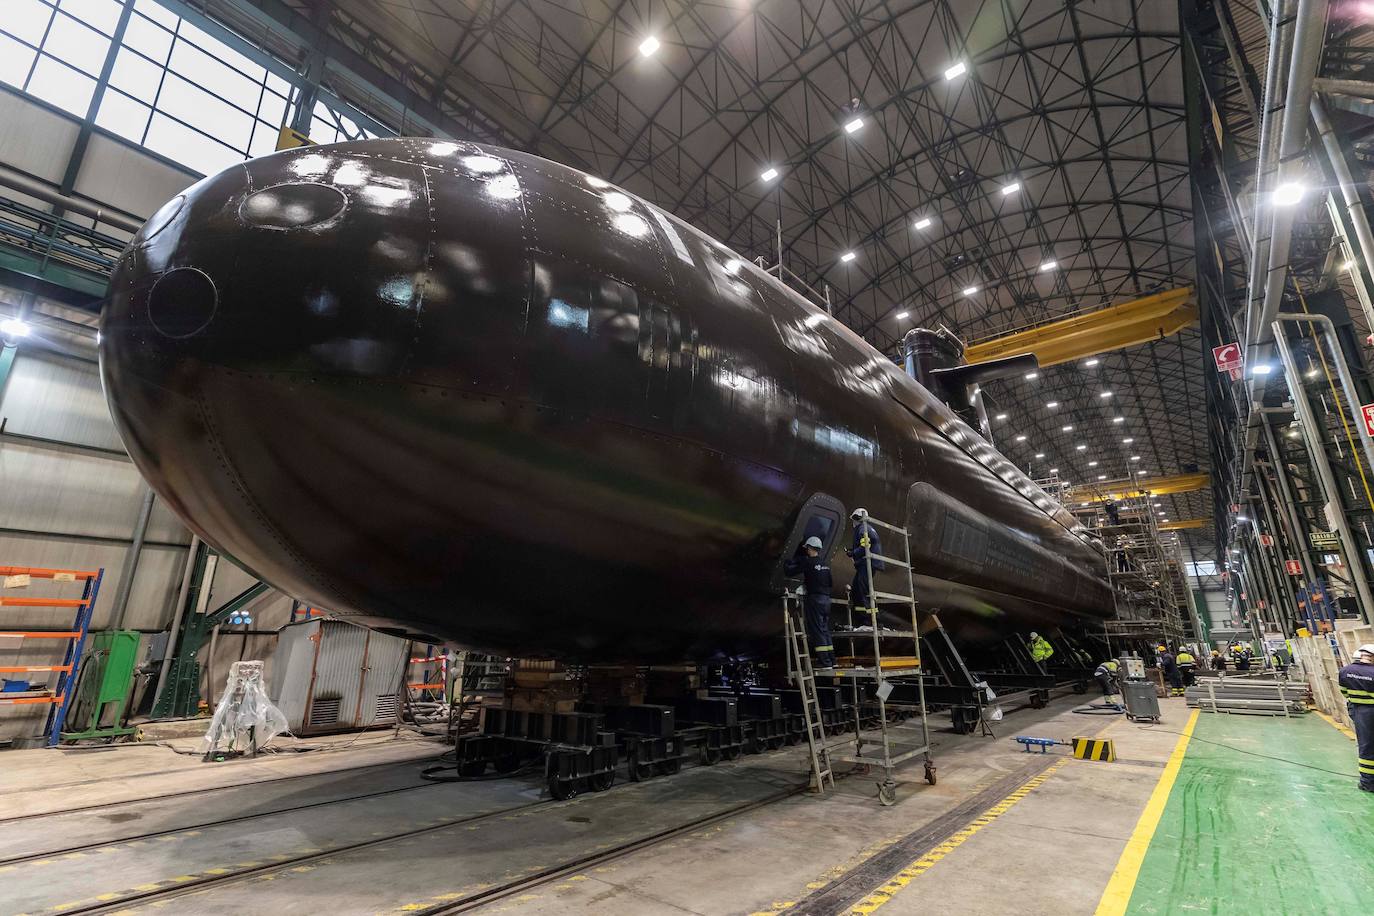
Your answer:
<point x="935" y="358"/>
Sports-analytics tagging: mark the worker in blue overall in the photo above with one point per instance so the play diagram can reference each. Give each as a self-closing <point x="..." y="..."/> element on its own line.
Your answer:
<point x="865" y="541"/>
<point x="815" y="573"/>
<point x="1168" y="666"/>
<point x="1357" y="685"/>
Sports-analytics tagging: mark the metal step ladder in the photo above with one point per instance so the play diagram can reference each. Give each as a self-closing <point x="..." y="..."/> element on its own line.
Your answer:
<point x="894" y="741"/>
<point x="804" y="676"/>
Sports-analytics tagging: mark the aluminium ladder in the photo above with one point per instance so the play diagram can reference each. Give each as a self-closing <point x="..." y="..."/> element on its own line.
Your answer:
<point x="804" y="676"/>
<point x="893" y="745"/>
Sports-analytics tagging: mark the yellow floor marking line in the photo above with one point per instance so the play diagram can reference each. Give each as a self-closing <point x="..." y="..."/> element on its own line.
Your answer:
<point x="1122" y="883"/>
<point x="927" y="861"/>
<point x="1336" y="725"/>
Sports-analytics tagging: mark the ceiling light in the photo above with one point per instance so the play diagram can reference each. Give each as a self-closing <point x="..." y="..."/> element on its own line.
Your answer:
<point x="1105" y="394"/>
<point x="1092" y="464"/>
<point x="1048" y="266"/>
<point x="970" y="290"/>
<point x="923" y="223"/>
<point x="1067" y="428"/>
<point x="1289" y="193"/>
<point x="955" y="70"/>
<point x="1348" y="265"/>
<point x="1141" y="473"/>
<point x="1009" y="189"/>
<point x="1128" y="440"/>
<point x="648" y="46"/>
<point x="769" y="174"/>
<point x="1032" y="376"/>
<point x="901" y="315"/>
<point x="1054" y="470"/>
<point x="1020" y="438"/>
<point x="1311" y="373"/>
<point x="1092" y="362"/>
<point x="1118" y="419"/>
<point x="1242" y="518"/>
<point x="1052" y="404"/>
<point x="1081" y="448"/>
<point x="848" y="256"/>
<point x="851" y="126"/>
<point x="1261" y="369"/>
<point x="1135" y="457"/>
<point x="1000" y="416"/>
<point x="1101" y="476"/>
<point x="14" y="327"/>
<point x="1040" y="454"/>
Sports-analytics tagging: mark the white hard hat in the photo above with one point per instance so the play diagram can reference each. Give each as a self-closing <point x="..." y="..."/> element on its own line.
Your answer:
<point x="815" y="542"/>
<point x="858" y="514"/>
<point x="1034" y="635"/>
<point x="1366" y="649"/>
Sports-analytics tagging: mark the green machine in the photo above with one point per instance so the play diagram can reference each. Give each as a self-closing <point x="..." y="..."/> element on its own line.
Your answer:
<point x="103" y="685"/>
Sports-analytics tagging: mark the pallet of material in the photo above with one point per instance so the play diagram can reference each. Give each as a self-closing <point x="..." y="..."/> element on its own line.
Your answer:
<point x="1246" y="696"/>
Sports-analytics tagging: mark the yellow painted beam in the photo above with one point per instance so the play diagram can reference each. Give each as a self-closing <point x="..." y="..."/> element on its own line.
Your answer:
<point x="1185" y="523"/>
<point x="1141" y="320"/>
<point x="1124" y="489"/>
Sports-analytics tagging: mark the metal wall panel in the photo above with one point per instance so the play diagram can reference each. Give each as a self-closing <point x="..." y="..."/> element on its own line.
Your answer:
<point x="35" y="140"/>
<point x="57" y="398"/>
<point x="124" y="177"/>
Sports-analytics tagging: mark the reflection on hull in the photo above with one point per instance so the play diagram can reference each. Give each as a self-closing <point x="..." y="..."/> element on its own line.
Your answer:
<point x="461" y="392"/>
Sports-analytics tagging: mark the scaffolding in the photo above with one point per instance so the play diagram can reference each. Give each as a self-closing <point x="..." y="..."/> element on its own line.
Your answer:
<point x="1149" y="585"/>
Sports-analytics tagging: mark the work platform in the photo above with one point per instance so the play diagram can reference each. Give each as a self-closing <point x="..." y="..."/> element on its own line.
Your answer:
<point x="353" y="830"/>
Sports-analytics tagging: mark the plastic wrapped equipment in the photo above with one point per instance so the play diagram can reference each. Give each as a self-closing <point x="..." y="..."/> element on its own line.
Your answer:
<point x="245" y="718"/>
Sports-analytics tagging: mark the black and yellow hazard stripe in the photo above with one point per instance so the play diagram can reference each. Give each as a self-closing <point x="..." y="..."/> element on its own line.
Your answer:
<point x="1366" y="766"/>
<point x="1094" y="749"/>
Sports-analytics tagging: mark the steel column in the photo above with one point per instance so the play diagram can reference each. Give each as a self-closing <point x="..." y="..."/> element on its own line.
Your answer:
<point x="126" y="575"/>
<point x="1350" y="194"/>
<point x="1316" y="449"/>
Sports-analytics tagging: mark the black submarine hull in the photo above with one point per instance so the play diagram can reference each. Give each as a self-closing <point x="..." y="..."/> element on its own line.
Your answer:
<point x="468" y="394"/>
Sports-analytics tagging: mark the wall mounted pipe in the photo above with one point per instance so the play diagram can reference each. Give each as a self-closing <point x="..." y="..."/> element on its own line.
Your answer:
<point x="1328" y="331"/>
<point x="130" y="568"/>
<point x="1330" y="488"/>
<point x="1266" y="162"/>
<point x="1350" y="194"/>
<point x="1309" y="32"/>
<point x="22" y="183"/>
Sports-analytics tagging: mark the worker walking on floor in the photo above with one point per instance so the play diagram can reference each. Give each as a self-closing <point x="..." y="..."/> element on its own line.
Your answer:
<point x="1357" y="685"/>
<point x="817" y="581"/>
<point x="1168" y="666"/>
<point x="1187" y="669"/>
<point x="1105" y="675"/>
<point x="866" y="541"/>
<point x="1040" y="649"/>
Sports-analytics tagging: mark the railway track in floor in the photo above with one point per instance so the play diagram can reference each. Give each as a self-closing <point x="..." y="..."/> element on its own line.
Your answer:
<point x="199" y="825"/>
<point x="194" y="884"/>
<point x="199" y="792"/>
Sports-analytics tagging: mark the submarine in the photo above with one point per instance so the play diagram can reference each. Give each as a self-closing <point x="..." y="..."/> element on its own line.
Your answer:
<point x="470" y="395"/>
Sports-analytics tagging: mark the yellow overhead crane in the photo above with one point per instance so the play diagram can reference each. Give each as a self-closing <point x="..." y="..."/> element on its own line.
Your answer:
<point x="1123" y="489"/>
<point x="1152" y="317"/>
<point x="1185" y="523"/>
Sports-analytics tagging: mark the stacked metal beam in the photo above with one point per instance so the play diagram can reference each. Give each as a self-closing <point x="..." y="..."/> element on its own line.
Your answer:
<point x="1248" y="696"/>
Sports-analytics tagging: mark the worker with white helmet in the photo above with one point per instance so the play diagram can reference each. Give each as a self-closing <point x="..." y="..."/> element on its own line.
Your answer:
<point x="1040" y="648"/>
<point x="866" y="541"/>
<point x="815" y="573"/>
<point x="1357" y="684"/>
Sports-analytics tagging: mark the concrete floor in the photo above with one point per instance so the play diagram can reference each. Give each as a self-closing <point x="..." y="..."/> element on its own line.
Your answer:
<point x="1056" y="829"/>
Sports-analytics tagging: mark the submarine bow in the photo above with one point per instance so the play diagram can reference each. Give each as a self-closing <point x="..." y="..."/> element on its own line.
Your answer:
<point x="465" y="393"/>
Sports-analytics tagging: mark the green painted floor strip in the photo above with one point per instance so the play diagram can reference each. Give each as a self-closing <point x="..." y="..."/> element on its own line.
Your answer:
<point x="1242" y="834"/>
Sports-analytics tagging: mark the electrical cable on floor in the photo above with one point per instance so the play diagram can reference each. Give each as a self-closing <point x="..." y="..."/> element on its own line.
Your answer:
<point x="1100" y="709"/>
<point x="1296" y="763"/>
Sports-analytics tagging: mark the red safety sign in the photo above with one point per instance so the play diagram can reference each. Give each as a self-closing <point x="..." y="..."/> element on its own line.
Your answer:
<point x="1367" y="412"/>
<point x="1266" y="540"/>
<point x="1292" y="567"/>
<point x="1228" y="357"/>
